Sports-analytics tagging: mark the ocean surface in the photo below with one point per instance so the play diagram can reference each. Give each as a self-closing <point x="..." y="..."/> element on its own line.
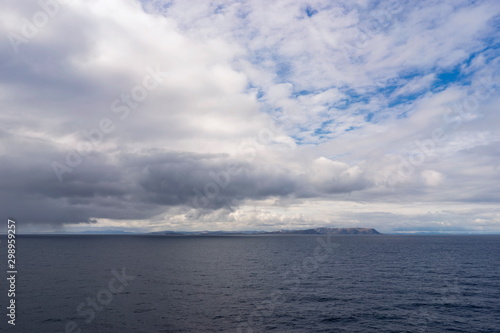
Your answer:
<point x="300" y="283"/>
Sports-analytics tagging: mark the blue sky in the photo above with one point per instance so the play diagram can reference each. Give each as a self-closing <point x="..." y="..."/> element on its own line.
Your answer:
<point x="250" y="115"/>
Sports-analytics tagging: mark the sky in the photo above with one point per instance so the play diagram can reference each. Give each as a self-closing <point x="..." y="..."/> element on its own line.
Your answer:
<point x="250" y="115"/>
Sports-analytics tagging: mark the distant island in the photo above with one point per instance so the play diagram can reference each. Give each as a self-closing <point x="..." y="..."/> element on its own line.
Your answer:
<point x="314" y="231"/>
<point x="324" y="231"/>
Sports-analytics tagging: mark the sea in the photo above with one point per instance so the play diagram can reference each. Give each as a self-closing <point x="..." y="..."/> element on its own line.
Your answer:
<point x="259" y="283"/>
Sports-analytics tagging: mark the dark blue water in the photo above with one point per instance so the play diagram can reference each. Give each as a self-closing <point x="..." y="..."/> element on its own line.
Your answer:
<point x="257" y="283"/>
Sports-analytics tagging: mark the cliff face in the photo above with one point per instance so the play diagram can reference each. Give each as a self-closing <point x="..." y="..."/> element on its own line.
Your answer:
<point x="324" y="231"/>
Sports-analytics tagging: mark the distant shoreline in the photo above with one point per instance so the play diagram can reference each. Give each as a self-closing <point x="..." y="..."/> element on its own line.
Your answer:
<point x="283" y="232"/>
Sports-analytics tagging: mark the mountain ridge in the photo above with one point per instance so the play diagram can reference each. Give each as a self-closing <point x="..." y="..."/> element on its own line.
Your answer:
<point x="311" y="231"/>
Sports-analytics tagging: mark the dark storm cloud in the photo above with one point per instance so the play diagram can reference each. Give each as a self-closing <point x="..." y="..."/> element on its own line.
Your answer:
<point x="207" y="181"/>
<point x="135" y="186"/>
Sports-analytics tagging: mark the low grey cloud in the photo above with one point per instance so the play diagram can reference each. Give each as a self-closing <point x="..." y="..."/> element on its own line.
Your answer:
<point x="140" y="185"/>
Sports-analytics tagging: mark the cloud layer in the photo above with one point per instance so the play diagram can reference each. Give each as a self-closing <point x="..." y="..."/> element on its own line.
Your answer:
<point x="151" y="115"/>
